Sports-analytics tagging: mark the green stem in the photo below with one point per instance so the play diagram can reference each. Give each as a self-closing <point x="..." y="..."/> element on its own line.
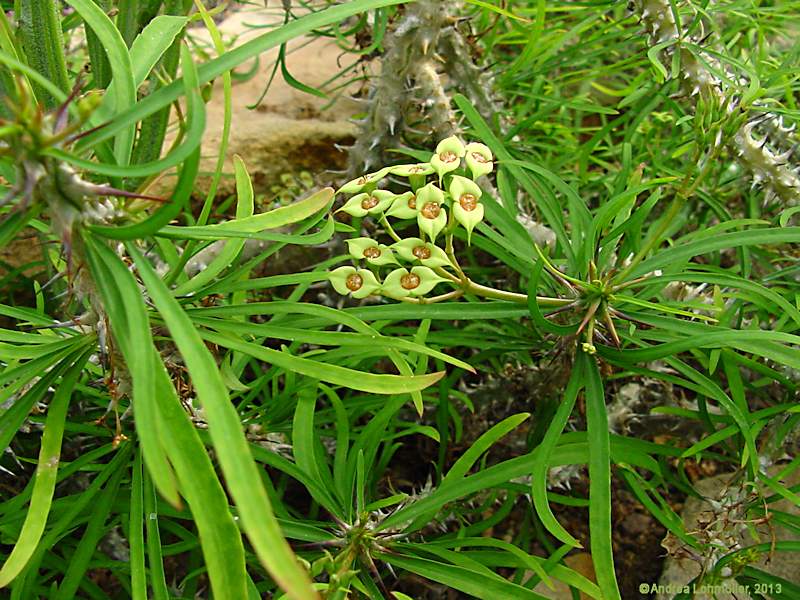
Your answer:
<point x="389" y="229"/>
<point x="452" y="256"/>
<point x="43" y="43"/>
<point x="683" y="193"/>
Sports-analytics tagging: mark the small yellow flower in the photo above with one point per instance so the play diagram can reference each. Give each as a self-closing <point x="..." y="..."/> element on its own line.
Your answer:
<point x="431" y="214"/>
<point x="448" y="156"/>
<point x="371" y="251"/>
<point x="416" y="282"/>
<point x="467" y="207"/>
<point x="414" y="249"/>
<point x="479" y="159"/>
<point x="358" y="283"/>
<point x="368" y="203"/>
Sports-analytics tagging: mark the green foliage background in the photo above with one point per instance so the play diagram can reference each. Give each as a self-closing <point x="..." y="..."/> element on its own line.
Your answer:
<point x="228" y="432"/>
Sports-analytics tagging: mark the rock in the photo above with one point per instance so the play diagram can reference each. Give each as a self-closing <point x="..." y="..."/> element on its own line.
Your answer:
<point x="290" y="130"/>
<point x="701" y="516"/>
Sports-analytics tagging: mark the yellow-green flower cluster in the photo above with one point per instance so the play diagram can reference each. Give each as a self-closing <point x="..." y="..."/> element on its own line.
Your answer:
<point x="443" y="195"/>
<point x="400" y="282"/>
<point x="430" y="203"/>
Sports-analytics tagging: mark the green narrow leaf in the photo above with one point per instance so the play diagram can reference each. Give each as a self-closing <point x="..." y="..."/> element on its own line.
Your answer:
<point x="278" y="217"/>
<point x="350" y="378"/>
<point x="599" y="478"/>
<point x="225" y="429"/>
<point x="155" y="560"/>
<point x="232" y="248"/>
<point x="147" y="49"/>
<point x="124" y="88"/>
<point x="305" y="442"/>
<point x="94" y="532"/>
<point x="474" y="583"/>
<point x="46" y="474"/>
<point x="165" y="431"/>
<point x="543" y="453"/>
<point x="130" y="329"/>
<point x="135" y="533"/>
<point x="152" y="129"/>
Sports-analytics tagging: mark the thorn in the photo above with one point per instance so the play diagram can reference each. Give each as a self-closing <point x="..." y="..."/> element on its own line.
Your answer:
<point x="425" y="45"/>
<point x="62" y="114"/>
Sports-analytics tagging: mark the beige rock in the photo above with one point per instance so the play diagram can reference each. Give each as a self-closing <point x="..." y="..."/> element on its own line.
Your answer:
<point x="290" y="130"/>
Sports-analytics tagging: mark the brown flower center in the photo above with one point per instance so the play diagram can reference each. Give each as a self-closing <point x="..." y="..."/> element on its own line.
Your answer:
<point x="410" y="281"/>
<point x="412" y="202"/>
<point x="421" y="252"/>
<point x="480" y="157"/>
<point x="369" y="203"/>
<point x="468" y="202"/>
<point x="448" y="157"/>
<point x="372" y="252"/>
<point x="354" y="282"/>
<point x="431" y="210"/>
<point x="416" y="169"/>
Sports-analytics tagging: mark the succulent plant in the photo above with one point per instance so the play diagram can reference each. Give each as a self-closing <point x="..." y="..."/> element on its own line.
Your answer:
<point x="409" y="102"/>
<point x="767" y="158"/>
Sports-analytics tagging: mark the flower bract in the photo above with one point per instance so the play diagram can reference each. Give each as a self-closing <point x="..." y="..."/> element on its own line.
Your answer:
<point x="448" y="156"/>
<point x="416" y="282"/>
<point x="467" y="208"/>
<point x="414" y="249"/>
<point x="371" y="251"/>
<point x="359" y="283"/>
<point x="479" y="159"/>
<point x="404" y="206"/>
<point x="371" y="203"/>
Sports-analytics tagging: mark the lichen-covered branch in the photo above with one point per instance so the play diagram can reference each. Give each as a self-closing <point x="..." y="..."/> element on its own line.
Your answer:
<point x="425" y="59"/>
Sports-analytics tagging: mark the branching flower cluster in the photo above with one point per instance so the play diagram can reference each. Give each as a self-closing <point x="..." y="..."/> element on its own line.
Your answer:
<point x="453" y="199"/>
